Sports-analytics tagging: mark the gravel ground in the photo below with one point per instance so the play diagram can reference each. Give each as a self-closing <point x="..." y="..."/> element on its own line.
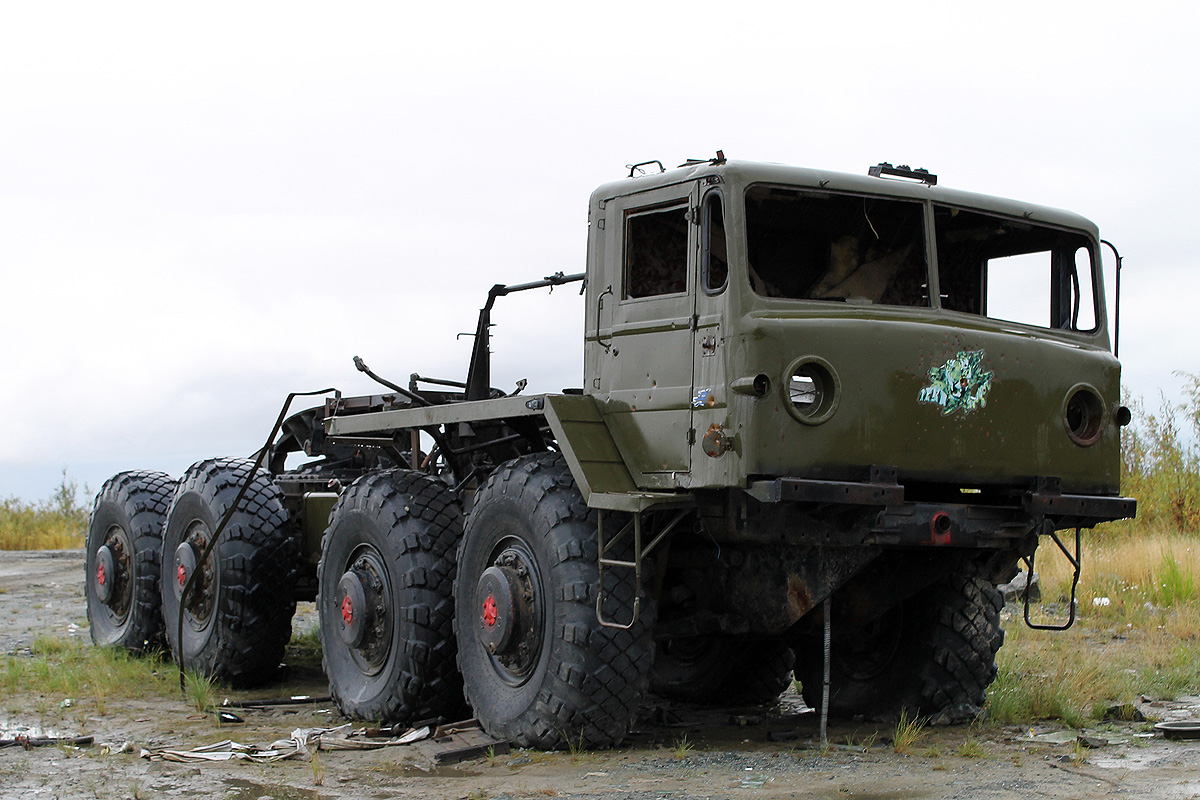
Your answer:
<point x="42" y="592"/>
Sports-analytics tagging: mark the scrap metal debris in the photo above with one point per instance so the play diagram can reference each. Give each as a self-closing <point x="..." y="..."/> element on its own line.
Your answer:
<point x="294" y="700"/>
<point x="460" y="741"/>
<point x="303" y="742"/>
<point x="1179" y="729"/>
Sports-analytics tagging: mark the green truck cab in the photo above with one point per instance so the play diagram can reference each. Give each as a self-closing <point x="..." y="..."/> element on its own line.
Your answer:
<point x="748" y="322"/>
<point x="814" y="407"/>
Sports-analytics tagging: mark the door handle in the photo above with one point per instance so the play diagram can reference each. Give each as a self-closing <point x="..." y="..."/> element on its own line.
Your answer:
<point x="599" y="308"/>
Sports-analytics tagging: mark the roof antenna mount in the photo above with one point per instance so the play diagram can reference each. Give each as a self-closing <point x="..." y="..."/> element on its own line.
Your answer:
<point x="886" y="170"/>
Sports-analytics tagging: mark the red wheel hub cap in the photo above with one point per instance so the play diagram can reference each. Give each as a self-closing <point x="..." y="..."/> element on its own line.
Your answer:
<point x="489" y="610"/>
<point x="347" y="611"/>
<point x="181" y="574"/>
<point x="101" y="576"/>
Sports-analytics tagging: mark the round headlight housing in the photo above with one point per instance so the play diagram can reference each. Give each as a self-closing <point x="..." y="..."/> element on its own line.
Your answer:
<point x="812" y="390"/>
<point x="1083" y="415"/>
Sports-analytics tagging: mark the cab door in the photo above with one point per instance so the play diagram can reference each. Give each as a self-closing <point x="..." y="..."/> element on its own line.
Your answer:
<point x="713" y="452"/>
<point x="645" y="367"/>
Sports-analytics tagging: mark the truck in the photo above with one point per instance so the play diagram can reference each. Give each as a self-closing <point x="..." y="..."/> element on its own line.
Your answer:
<point x="821" y="417"/>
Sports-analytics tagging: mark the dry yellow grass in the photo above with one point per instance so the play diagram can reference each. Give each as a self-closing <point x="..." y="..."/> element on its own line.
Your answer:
<point x="29" y="527"/>
<point x="1154" y="566"/>
<point x="1141" y="637"/>
<point x="54" y="524"/>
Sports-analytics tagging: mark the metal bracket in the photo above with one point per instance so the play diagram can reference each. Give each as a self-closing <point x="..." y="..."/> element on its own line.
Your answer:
<point x="1076" y="561"/>
<point x="636" y="169"/>
<point x="603" y="549"/>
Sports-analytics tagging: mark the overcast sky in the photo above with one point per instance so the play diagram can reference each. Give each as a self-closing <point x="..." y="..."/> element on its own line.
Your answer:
<point x="202" y="210"/>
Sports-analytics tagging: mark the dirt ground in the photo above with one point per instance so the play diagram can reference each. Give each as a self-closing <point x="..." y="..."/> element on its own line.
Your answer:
<point x="736" y="752"/>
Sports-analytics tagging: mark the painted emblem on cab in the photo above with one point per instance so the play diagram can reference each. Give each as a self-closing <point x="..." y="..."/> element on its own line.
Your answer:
<point x="961" y="384"/>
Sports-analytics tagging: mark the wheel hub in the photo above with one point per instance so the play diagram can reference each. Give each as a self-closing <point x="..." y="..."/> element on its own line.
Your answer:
<point x="362" y="612"/>
<point x="112" y="575"/>
<point x="185" y="565"/>
<point x="355" y="610"/>
<point x="201" y="599"/>
<point x="509" y="615"/>
<point x="106" y="575"/>
<point x="497" y="618"/>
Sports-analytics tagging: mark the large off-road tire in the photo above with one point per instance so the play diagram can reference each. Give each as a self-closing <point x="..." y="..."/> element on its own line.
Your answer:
<point x="539" y="670"/>
<point x="722" y="671"/>
<point x="934" y="652"/>
<point x="386" y="599"/>
<point x="124" y="542"/>
<point x="238" y="616"/>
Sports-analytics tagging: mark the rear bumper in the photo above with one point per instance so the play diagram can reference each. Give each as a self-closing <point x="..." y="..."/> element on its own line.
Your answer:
<point x="899" y="522"/>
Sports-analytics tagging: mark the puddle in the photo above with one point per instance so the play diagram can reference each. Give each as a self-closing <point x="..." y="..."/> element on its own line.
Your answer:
<point x="10" y="730"/>
<point x="1069" y="737"/>
<point x="1132" y="762"/>
<point x="240" y="789"/>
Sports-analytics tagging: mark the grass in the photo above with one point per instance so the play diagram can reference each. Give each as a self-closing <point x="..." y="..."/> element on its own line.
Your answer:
<point x="1131" y="568"/>
<point x="682" y="747"/>
<point x="1144" y="640"/>
<point x="575" y="745"/>
<point x="971" y="748"/>
<point x="90" y="676"/>
<point x="57" y="523"/>
<point x="316" y="767"/>
<point x="865" y="744"/>
<point x="304" y="650"/>
<point x="200" y="691"/>
<point x="907" y="732"/>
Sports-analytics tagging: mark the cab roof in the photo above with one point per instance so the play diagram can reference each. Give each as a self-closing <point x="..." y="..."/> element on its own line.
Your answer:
<point x="740" y="174"/>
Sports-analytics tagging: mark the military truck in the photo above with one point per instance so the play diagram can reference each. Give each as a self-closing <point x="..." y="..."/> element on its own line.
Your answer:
<point x="812" y="404"/>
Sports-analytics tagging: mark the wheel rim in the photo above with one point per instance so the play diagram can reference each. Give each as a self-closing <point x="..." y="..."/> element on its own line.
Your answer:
<point x="201" y="600"/>
<point x="509" y="613"/>
<point x="362" y="609"/>
<point x="692" y="652"/>
<point x="871" y="651"/>
<point x="112" y="575"/>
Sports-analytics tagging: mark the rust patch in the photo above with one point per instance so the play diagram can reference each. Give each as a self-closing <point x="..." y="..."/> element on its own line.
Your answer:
<point x="799" y="597"/>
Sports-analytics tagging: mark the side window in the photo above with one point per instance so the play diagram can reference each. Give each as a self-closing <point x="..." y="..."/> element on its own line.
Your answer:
<point x="714" y="260"/>
<point x="1082" y="304"/>
<point x="1018" y="288"/>
<point x="656" y="251"/>
<point x="1051" y="288"/>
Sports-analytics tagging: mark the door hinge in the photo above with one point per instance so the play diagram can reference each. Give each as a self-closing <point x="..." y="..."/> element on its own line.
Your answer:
<point x="694" y="323"/>
<point x="691" y="436"/>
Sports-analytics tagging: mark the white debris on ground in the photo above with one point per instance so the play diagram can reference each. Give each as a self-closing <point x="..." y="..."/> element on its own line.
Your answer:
<point x="303" y="742"/>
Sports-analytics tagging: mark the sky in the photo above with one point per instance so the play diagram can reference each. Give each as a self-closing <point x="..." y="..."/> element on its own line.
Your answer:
<point x="205" y="207"/>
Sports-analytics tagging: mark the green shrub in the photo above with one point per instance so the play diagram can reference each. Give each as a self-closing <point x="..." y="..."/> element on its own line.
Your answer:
<point x="1160" y="453"/>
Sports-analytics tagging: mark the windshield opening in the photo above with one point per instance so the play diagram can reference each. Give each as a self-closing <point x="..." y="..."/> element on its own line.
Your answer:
<point x="1014" y="270"/>
<point x="809" y="245"/>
